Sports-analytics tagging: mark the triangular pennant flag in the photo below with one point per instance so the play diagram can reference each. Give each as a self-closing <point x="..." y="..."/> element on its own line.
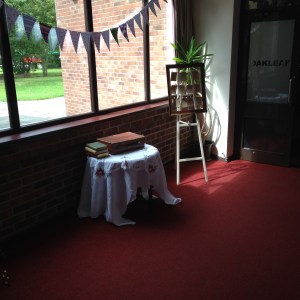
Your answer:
<point x="1" y="3"/>
<point x="138" y="20"/>
<point x="28" y="24"/>
<point x="11" y="16"/>
<point x="36" y="34"/>
<point x="75" y="35"/>
<point x="105" y="36"/>
<point x="144" y="13"/>
<point x="157" y="3"/>
<point x="96" y="39"/>
<point x="114" y="33"/>
<point x="123" y="28"/>
<point x="151" y="5"/>
<point x="61" y="34"/>
<point x="52" y="39"/>
<point x="45" y="31"/>
<point x="86" y="38"/>
<point x="19" y="27"/>
<point x="130" y="24"/>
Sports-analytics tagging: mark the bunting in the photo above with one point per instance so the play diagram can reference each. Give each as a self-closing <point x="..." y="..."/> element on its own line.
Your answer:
<point x="28" y="24"/>
<point x="114" y="33"/>
<point x="11" y="16"/>
<point x="130" y="24"/>
<point x="123" y="28"/>
<point x="151" y="6"/>
<point x="157" y="3"/>
<point x="56" y="36"/>
<point x="86" y="38"/>
<point x="45" y="31"/>
<point x="96" y="38"/>
<point x="52" y="39"/>
<point x="144" y="13"/>
<point x="36" y="33"/>
<point x="61" y="34"/>
<point x="138" y="20"/>
<point x="75" y="35"/>
<point x="105" y="36"/>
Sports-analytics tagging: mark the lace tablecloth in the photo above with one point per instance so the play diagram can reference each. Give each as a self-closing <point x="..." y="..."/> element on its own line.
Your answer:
<point x="110" y="184"/>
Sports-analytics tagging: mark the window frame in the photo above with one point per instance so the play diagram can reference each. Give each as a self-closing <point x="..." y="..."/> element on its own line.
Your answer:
<point x="9" y="82"/>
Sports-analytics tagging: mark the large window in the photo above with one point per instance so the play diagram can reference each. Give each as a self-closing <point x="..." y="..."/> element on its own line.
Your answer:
<point x="120" y="70"/>
<point x="56" y="78"/>
<point x="4" y="120"/>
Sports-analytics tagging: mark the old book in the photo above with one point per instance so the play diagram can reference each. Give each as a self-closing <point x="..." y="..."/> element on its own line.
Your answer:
<point x="123" y="142"/>
<point x="101" y="155"/>
<point x="97" y="146"/>
<point x="96" y="151"/>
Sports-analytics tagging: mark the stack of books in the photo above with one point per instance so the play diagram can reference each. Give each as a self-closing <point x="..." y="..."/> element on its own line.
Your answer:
<point x="96" y="149"/>
<point x="122" y="142"/>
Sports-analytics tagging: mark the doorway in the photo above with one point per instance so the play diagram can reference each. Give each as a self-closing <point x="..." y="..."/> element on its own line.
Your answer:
<point x="269" y="72"/>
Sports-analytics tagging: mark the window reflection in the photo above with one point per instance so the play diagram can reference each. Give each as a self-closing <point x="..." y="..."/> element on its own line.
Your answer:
<point x="4" y="119"/>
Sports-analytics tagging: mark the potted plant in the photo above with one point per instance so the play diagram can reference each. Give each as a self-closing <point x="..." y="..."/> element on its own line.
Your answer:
<point x="197" y="53"/>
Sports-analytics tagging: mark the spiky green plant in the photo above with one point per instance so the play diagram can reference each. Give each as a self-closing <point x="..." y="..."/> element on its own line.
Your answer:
<point x="194" y="53"/>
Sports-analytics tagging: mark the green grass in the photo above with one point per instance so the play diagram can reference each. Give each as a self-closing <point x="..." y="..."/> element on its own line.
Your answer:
<point x="36" y="87"/>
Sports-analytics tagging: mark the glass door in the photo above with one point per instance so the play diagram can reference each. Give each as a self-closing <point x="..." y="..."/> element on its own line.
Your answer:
<point x="268" y="89"/>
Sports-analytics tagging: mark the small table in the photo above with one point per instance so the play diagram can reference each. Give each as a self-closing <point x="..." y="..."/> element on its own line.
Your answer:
<point x="110" y="184"/>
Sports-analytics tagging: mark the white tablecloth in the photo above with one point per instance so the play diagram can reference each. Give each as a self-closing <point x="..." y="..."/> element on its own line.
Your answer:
<point x="110" y="184"/>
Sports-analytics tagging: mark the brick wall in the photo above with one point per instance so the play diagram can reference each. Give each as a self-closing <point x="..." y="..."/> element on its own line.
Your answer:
<point x="41" y="176"/>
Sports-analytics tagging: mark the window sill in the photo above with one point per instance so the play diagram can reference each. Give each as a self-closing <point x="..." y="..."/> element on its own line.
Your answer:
<point x="81" y="122"/>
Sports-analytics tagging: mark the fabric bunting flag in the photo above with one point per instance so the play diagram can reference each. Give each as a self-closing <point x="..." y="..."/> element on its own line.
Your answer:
<point x="36" y="34"/>
<point x="11" y="16"/>
<point x="28" y="24"/>
<point x="86" y="38"/>
<point x="114" y="33"/>
<point x="54" y="36"/>
<point x="75" y="35"/>
<point x="144" y="13"/>
<point x="138" y="20"/>
<point x="151" y="6"/>
<point x="52" y="39"/>
<point x="123" y="28"/>
<point x="45" y="31"/>
<point x="96" y="39"/>
<point x="130" y="24"/>
<point x="157" y="3"/>
<point x="61" y="34"/>
<point x="105" y="36"/>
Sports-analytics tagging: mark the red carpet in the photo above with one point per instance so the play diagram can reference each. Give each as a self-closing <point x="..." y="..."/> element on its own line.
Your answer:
<point x="235" y="237"/>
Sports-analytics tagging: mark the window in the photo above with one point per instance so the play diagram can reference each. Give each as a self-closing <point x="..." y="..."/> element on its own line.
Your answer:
<point x="54" y="83"/>
<point x="4" y="120"/>
<point x="120" y="70"/>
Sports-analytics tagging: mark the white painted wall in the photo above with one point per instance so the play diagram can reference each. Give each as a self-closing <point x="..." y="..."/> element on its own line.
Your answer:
<point x="213" y="22"/>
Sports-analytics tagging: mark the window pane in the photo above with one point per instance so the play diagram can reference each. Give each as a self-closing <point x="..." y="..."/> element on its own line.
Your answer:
<point x="47" y="80"/>
<point x="37" y="70"/>
<point x="4" y="120"/>
<point x="161" y="51"/>
<point x="269" y="64"/>
<point x="120" y="71"/>
<point x="75" y="66"/>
